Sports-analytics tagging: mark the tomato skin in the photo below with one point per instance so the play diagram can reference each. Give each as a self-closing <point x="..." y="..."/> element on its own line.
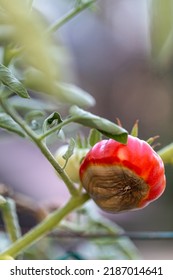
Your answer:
<point x="137" y="156"/>
<point x="73" y="164"/>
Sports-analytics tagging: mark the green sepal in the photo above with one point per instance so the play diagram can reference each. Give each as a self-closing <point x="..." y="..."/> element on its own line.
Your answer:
<point x="134" y="131"/>
<point x="94" y="137"/>
<point x="69" y="151"/>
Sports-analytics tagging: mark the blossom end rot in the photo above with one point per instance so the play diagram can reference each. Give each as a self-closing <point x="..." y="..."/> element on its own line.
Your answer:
<point x="122" y="177"/>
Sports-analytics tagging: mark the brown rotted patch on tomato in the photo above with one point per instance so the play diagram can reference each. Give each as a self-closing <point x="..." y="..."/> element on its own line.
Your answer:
<point x="114" y="188"/>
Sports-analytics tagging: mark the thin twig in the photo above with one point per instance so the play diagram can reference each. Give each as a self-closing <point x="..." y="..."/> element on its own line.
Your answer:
<point x="60" y="22"/>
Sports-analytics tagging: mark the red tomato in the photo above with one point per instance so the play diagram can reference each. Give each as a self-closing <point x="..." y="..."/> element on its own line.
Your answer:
<point x="123" y="177"/>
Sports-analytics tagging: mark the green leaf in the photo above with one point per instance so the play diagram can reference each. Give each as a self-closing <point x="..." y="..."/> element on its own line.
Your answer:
<point x="94" y="137"/>
<point x="63" y="92"/>
<point x="31" y="36"/>
<point x="33" y="115"/>
<point x="54" y="119"/>
<point x="69" y="151"/>
<point x="9" y="124"/>
<point x="72" y="94"/>
<point x="50" y="121"/>
<point x="161" y="26"/>
<point x="166" y="153"/>
<point x="105" y="126"/>
<point x="31" y="104"/>
<point x="9" y="80"/>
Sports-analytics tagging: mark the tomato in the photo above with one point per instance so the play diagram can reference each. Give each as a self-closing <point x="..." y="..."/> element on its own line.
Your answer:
<point x="73" y="164"/>
<point x="121" y="177"/>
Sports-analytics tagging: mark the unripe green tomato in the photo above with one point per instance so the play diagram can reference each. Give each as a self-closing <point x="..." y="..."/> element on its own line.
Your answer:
<point x="73" y="164"/>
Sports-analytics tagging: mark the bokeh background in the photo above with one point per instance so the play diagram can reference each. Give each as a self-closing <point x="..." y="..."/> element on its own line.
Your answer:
<point x="113" y="52"/>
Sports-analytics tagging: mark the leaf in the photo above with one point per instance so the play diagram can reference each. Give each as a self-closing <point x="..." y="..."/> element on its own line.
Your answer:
<point x="166" y="153"/>
<point x="63" y="92"/>
<point x="94" y="137"/>
<point x="9" y="124"/>
<point x="33" y="115"/>
<point x="9" y="80"/>
<point x="31" y="104"/>
<point x="72" y="94"/>
<point x="69" y="151"/>
<point x="54" y="117"/>
<point x="51" y="120"/>
<point x="31" y="36"/>
<point x="161" y="28"/>
<point x="105" y="126"/>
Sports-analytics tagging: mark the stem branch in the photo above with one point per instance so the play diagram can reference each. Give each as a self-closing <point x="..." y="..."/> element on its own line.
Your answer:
<point x="57" y="24"/>
<point x="42" y="146"/>
<point x="56" y="128"/>
<point x="45" y="151"/>
<point x="10" y="219"/>
<point x="45" y="226"/>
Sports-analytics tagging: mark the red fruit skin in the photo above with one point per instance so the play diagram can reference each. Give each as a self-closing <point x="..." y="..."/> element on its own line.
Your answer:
<point x="137" y="155"/>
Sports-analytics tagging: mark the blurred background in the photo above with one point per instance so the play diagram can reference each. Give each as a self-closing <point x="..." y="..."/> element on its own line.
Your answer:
<point x="121" y="53"/>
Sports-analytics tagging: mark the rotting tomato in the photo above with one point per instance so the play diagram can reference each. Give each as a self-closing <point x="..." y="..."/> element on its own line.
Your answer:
<point x="121" y="177"/>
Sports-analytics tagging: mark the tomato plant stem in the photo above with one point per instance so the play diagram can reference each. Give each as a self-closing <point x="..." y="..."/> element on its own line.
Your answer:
<point x="79" y="8"/>
<point x="10" y="219"/>
<point x="57" y="127"/>
<point x="46" y="152"/>
<point x="45" y="226"/>
<point x="40" y="144"/>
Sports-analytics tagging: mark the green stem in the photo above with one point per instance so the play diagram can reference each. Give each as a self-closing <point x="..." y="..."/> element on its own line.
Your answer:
<point x="10" y="219"/>
<point x="56" y="128"/>
<point x="46" y="152"/>
<point x="15" y="116"/>
<point x="166" y="154"/>
<point x="45" y="226"/>
<point x="57" y="24"/>
<point x="42" y="146"/>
